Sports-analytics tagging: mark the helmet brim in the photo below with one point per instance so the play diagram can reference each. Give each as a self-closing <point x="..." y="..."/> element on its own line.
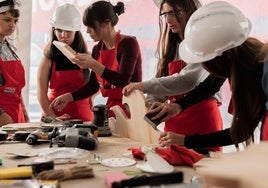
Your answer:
<point x="189" y="57"/>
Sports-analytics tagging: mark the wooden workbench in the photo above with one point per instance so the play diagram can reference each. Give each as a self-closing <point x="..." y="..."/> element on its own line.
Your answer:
<point x="241" y="169"/>
<point x="108" y="147"/>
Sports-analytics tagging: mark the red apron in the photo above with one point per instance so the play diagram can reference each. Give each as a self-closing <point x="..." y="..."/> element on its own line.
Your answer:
<point x="203" y="117"/>
<point x="68" y="81"/>
<point x="265" y="128"/>
<point x="10" y="92"/>
<point x="114" y="94"/>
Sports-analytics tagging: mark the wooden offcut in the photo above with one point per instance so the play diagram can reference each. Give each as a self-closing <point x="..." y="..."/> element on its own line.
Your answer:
<point x="65" y="49"/>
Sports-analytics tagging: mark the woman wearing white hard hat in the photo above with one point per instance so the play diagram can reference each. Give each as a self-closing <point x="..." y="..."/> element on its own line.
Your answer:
<point x="200" y="118"/>
<point x="12" y="78"/>
<point x="226" y="52"/>
<point x="115" y="60"/>
<point x="57" y="74"/>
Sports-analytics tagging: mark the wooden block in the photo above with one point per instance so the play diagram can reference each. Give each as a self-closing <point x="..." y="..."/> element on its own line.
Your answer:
<point x="65" y="49"/>
<point x="135" y="127"/>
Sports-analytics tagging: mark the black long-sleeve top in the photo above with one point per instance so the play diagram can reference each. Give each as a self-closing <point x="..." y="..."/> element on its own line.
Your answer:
<point x="204" y="90"/>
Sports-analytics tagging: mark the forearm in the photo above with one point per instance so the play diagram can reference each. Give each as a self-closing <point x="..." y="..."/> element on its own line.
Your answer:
<point x="129" y="60"/>
<point x="121" y="77"/>
<point x="115" y="78"/>
<point x="97" y="67"/>
<point x="42" y="96"/>
<point x="88" y="89"/>
<point x="25" y="113"/>
<point x="178" y="83"/>
<point x="151" y="98"/>
<point x="44" y="103"/>
<point x="204" y="90"/>
<point x="215" y="139"/>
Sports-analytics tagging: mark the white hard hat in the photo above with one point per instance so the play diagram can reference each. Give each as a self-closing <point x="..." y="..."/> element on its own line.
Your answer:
<point x="197" y="3"/>
<point x="66" y="17"/>
<point x="211" y="30"/>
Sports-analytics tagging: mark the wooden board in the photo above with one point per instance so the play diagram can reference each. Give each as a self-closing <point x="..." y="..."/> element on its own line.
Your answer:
<point x="22" y="126"/>
<point x="65" y="49"/>
<point x="30" y="126"/>
<point x="241" y="169"/>
<point x="135" y="127"/>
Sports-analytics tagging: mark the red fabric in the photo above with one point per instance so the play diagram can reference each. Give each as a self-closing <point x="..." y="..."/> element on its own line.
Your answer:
<point x="108" y="59"/>
<point x="10" y="92"/>
<point x="68" y="81"/>
<point x="174" y="155"/>
<point x="265" y="128"/>
<point x="137" y="153"/>
<point x="176" y="67"/>
<point x="114" y="94"/>
<point x="179" y="155"/>
<point x="201" y="118"/>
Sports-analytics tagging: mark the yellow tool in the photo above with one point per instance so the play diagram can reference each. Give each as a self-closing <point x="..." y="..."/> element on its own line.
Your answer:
<point x="18" y="172"/>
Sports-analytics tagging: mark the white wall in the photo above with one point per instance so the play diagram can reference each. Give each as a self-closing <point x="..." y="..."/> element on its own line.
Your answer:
<point x="23" y="41"/>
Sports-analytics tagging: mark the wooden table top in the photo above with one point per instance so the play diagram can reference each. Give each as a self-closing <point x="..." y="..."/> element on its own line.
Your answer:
<point x="109" y="147"/>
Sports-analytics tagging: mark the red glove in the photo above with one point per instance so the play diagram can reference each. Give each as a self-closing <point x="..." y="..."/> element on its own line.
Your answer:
<point x="179" y="155"/>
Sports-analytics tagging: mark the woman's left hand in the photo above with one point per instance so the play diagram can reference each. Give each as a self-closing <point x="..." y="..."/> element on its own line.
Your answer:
<point x="170" y="109"/>
<point x="167" y="138"/>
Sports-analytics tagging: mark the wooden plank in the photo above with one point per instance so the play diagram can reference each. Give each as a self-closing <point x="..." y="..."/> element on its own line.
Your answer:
<point x="65" y="49"/>
<point x="21" y="126"/>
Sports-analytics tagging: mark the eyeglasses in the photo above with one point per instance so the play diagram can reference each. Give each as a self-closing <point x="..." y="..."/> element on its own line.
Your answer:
<point x="171" y="13"/>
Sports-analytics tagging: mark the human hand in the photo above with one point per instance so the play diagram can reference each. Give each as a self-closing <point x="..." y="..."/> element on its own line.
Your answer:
<point x="165" y="110"/>
<point x="5" y="119"/>
<point x="167" y="138"/>
<point x="84" y="60"/>
<point x="132" y="86"/>
<point x="63" y="117"/>
<point x="61" y="101"/>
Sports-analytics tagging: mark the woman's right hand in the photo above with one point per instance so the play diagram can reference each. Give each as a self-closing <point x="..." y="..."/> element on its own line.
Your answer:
<point x="61" y="101"/>
<point x="132" y="86"/>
